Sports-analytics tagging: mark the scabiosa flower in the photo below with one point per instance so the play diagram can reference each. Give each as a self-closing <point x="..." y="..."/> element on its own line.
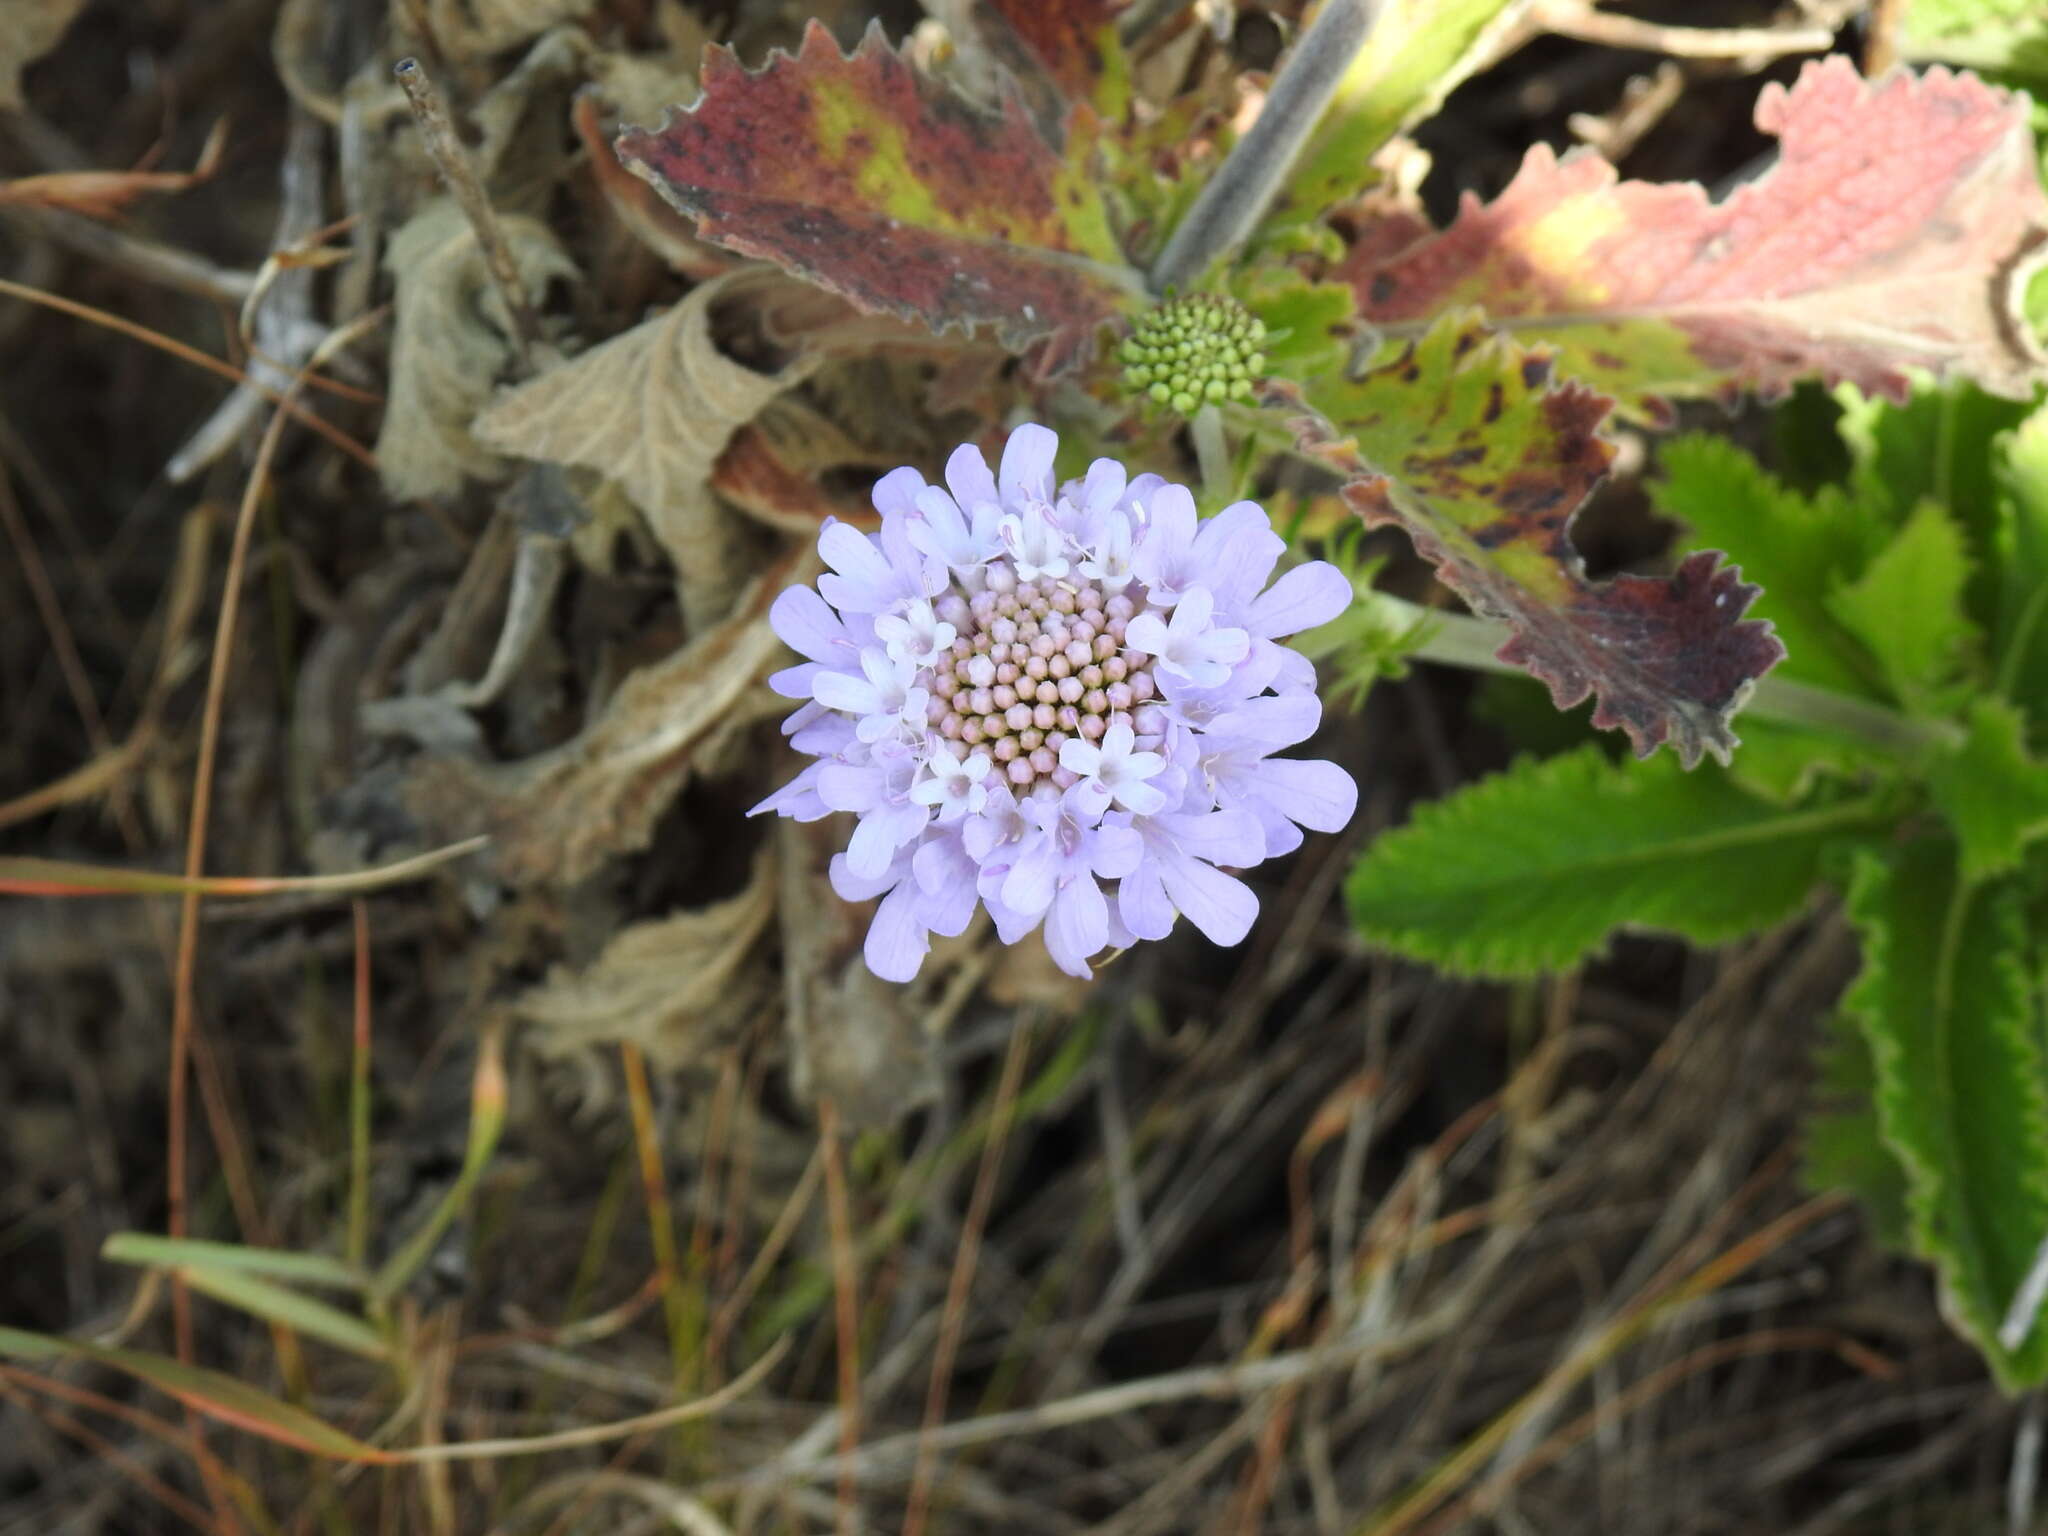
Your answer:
<point x="1060" y="703"/>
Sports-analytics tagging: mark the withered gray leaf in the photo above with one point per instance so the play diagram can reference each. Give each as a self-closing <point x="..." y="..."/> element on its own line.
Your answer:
<point x="556" y="817"/>
<point x="450" y="345"/>
<point x="28" y="30"/>
<point x="673" y="985"/>
<point x="652" y="409"/>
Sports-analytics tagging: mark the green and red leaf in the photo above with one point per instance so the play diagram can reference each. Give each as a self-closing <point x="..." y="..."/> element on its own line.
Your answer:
<point x="864" y="176"/>
<point x="1065" y="53"/>
<point x="1887" y="238"/>
<point x="1463" y="440"/>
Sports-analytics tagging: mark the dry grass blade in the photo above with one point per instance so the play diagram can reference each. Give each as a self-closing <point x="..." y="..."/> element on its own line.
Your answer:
<point x="103" y="194"/>
<point x="59" y="877"/>
<point x="287" y="403"/>
<point x="962" y="1277"/>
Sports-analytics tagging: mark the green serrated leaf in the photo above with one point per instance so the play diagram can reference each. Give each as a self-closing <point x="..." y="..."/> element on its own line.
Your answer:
<point x="1797" y="548"/>
<point x="1844" y="1147"/>
<point x="1782" y="761"/>
<point x="2020" y="628"/>
<point x="1936" y="445"/>
<point x="1308" y="323"/>
<point x="1907" y="609"/>
<point x="1993" y="794"/>
<point x="1530" y="870"/>
<point x="1951" y="1011"/>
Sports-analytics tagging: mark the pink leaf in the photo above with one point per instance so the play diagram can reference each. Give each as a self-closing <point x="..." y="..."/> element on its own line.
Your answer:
<point x="1888" y="236"/>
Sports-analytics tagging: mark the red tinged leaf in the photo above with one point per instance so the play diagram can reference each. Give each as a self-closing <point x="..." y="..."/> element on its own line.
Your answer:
<point x="1071" y="45"/>
<point x="1463" y="441"/>
<point x="866" y="177"/>
<point x="1887" y="237"/>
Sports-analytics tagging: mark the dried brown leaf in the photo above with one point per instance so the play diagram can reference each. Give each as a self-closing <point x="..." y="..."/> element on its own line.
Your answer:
<point x="776" y="471"/>
<point x="673" y="985"/>
<point x="638" y="207"/>
<point x="556" y="817"/>
<point x="652" y="409"/>
<point x="451" y="343"/>
<point x="28" y="30"/>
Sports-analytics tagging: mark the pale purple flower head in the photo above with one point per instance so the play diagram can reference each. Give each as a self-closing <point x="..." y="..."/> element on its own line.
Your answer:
<point x="1060" y="703"/>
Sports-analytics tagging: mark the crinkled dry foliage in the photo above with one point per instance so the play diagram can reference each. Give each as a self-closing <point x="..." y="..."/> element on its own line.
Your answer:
<point x="1286" y="1238"/>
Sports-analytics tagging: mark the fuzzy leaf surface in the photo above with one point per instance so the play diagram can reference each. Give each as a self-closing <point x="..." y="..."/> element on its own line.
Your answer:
<point x="1949" y="1002"/>
<point x="451" y="343"/>
<point x="1530" y="870"/>
<point x="862" y="175"/>
<point x="1993" y="794"/>
<point x="1887" y="237"/>
<point x="1464" y="442"/>
<point x="653" y="408"/>
<point x="1844" y="1148"/>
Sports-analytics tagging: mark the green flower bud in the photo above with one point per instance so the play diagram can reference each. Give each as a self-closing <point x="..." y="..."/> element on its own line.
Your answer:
<point x="1198" y="349"/>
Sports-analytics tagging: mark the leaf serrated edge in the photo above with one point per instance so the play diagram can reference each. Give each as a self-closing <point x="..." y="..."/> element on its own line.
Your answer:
<point x="1871" y="872"/>
<point x="1490" y="955"/>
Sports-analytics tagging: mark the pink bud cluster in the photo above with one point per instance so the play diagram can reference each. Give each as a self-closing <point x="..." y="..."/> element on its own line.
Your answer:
<point x="1034" y="667"/>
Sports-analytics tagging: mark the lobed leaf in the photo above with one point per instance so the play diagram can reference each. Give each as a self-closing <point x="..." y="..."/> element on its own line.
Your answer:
<point x="670" y="985"/>
<point x="1993" y="794"/>
<point x="1798" y="548"/>
<point x="1462" y="440"/>
<point x="1531" y="869"/>
<point x="1949" y="1002"/>
<point x="1844" y="1146"/>
<point x="557" y="816"/>
<point x="866" y="177"/>
<point x="652" y="408"/>
<point x="1907" y="609"/>
<point x="1940" y="444"/>
<point x="451" y="343"/>
<point x="1889" y="236"/>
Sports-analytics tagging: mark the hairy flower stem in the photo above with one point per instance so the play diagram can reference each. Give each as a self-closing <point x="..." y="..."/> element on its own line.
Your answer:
<point x="1461" y="640"/>
<point x="1237" y="196"/>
